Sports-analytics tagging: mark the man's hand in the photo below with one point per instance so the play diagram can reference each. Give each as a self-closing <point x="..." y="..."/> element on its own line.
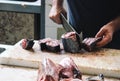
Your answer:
<point x="55" y="14"/>
<point x="57" y="8"/>
<point x="107" y="33"/>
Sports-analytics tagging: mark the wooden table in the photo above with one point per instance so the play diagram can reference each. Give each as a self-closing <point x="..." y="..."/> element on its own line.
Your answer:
<point x="14" y="73"/>
<point x="105" y="61"/>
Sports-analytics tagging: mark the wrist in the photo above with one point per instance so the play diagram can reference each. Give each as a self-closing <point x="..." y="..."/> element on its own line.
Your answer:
<point x="115" y="24"/>
<point x="57" y="3"/>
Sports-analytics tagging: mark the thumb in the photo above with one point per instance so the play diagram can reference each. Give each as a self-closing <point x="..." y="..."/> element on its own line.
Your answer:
<point x="100" y="33"/>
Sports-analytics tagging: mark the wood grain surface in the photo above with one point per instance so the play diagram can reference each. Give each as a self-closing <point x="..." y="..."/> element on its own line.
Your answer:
<point x="105" y="61"/>
<point x="8" y="73"/>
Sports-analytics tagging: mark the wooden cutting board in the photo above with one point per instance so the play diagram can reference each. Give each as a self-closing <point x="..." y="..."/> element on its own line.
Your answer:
<point x="105" y="61"/>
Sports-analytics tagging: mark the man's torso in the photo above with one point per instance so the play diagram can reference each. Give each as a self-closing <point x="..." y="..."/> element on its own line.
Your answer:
<point x="90" y="15"/>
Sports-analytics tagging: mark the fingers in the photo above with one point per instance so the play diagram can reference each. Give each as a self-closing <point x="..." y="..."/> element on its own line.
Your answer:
<point x="105" y="40"/>
<point x="100" y="33"/>
<point x="56" y="19"/>
<point x="107" y="36"/>
<point x="54" y="14"/>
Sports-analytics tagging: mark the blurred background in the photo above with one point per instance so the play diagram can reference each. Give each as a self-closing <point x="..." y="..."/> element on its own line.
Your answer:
<point x="16" y="26"/>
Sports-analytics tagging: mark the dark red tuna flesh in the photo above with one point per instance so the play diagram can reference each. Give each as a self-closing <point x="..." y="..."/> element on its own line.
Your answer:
<point x="89" y="44"/>
<point x="27" y="44"/>
<point x="59" y="72"/>
<point x="49" y="44"/>
<point x="71" y="42"/>
<point x="70" y="69"/>
<point x="49" y="72"/>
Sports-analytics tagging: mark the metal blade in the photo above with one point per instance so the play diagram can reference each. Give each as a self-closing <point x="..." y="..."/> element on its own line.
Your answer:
<point x="66" y="25"/>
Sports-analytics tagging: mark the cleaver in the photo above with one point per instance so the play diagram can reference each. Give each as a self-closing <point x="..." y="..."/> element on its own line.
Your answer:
<point x="67" y="26"/>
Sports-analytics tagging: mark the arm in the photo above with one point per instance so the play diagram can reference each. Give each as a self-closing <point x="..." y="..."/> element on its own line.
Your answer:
<point x="107" y="31"/>
<point x="57" y="8"/>
<point x="57" y="3"/>
<point x="115" y="24"/>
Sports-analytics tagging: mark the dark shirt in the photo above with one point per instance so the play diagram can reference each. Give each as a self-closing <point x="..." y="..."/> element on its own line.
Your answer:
<point x="89" y="16"/>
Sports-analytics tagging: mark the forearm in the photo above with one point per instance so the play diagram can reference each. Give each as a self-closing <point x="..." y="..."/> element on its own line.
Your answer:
<point x="57" y="2"/>
<point x="115" y="24"/>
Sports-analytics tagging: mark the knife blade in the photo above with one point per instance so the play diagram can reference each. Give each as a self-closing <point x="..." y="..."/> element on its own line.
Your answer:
<point x="67" y="26"/>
